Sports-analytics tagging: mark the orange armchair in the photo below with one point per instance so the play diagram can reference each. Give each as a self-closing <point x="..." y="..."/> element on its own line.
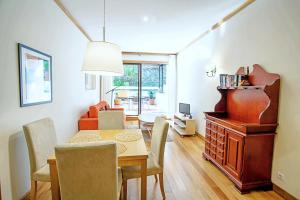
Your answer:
<point x="89" y="121"/>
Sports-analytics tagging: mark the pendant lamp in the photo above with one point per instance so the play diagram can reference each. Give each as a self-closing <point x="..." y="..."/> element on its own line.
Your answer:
<point x="102" y="57"/>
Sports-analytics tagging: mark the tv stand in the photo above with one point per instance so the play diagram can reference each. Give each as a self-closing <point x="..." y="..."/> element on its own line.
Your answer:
<point x="184" y="125"/>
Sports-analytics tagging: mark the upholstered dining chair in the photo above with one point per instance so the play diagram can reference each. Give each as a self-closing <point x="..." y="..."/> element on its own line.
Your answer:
<point x="88" y="171"/>
<point x="155" y="162"/>
<point x="41" y="139"/>
<point x="111" y="119"/>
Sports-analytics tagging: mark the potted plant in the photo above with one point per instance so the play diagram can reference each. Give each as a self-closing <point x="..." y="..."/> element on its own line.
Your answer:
<point x="151" y="98"/>
<point x="117" y="101"/>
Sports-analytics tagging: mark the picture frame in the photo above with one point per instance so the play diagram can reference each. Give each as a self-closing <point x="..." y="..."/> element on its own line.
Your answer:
<point x="90" y="82"/>
<point x="35" y="76"/>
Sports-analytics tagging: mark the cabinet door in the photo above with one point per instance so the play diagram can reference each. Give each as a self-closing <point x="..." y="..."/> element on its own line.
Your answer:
<point x="234" y="152"/>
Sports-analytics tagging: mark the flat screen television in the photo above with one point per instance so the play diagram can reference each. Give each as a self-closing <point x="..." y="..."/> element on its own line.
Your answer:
<point x="184" y="108"/>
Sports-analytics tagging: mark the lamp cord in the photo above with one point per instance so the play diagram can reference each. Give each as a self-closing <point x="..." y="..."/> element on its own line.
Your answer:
<point x="104" y="20"/>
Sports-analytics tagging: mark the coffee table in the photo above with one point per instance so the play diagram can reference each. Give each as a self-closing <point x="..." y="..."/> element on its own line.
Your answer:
<point x="147" y="120"/>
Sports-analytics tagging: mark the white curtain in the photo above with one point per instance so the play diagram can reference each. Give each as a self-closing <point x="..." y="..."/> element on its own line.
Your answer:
<point x="106" y="85"/>
<point x="172" y="85"/>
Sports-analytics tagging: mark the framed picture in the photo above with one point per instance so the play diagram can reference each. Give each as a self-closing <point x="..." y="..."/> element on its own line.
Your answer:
<point x="90" y="81"/>
<point x="35" y="69"/>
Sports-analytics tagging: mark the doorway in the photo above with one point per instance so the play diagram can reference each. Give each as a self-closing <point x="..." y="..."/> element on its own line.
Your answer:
<point x="141" y="89"/>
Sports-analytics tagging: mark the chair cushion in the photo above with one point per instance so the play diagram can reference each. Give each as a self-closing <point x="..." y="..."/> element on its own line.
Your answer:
<point x="130" y="172"/>
<point x="40" y="137"/>
<point x="42" y="174"/>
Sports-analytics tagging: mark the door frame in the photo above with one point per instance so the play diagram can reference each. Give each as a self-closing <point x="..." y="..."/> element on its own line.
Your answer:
<point x="140" y="65"/>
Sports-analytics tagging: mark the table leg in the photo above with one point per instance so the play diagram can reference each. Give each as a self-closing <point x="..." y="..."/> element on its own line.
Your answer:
<point x="54" y="181"/>
<point x="144" y="179"/>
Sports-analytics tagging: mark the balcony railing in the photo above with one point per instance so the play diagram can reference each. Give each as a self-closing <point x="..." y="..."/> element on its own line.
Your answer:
<point x="127" y="98"/>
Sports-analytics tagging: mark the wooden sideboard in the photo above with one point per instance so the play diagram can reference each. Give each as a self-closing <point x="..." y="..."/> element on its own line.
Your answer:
<point x="240" y="132"/>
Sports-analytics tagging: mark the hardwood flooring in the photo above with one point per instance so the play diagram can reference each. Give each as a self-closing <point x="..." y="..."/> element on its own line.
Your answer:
<point x="187" y="177"/>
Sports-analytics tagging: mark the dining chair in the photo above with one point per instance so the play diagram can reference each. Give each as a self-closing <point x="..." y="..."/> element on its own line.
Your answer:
<point x="41" y="139"/>
<point x="88" y="171"/>
<point x="155" y="161"/>
<point x="111" y="119"/>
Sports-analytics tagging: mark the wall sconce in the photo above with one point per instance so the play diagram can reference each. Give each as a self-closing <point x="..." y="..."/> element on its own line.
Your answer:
<point x="211" y="73"/>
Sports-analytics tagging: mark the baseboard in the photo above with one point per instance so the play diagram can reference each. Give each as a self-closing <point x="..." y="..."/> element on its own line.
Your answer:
<point x="131" y="118"/>
<point x="200" y="136"/>
<point x="283" y="193"/>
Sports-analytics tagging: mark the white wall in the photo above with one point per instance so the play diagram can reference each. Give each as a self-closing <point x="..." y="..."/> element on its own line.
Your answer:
<point x="43" y="26"/>
<point x="266" y="33"/>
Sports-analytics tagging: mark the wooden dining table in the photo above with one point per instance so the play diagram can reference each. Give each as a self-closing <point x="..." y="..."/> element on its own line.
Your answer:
<point x="130" y="153"/>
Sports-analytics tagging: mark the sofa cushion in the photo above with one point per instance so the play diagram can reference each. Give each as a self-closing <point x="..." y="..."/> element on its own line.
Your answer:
<point x="85" y="115"/>
<point x="93" y="110"/>
<point x="89" y="121"/>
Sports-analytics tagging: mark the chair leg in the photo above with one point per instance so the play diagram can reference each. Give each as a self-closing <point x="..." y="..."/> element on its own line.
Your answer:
<point x="33" y="190"/>
<point x="161" y="184"/>
<point x="121" y="194"/>
<point x="155" y="176"/>
<point x="124" y="193"/>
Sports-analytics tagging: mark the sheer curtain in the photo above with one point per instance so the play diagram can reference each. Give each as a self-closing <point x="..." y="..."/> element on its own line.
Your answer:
<point x="172" y="84"/>
<point x="105" y="86"/>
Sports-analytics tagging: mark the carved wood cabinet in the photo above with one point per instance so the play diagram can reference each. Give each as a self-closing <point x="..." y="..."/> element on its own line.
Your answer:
<point x="240" y="132"/>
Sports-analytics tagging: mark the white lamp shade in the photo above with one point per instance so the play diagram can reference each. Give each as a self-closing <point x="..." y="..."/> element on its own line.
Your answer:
<point x="103" y="58"/>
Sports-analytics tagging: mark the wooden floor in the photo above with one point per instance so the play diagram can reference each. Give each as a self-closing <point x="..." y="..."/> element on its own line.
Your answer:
<point x="187" y="176"/>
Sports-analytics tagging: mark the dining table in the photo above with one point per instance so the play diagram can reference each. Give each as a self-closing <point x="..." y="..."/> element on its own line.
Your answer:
<point x="131" y="151"/>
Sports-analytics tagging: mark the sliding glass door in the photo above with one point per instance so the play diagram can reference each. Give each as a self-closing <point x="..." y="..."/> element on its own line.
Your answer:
<point x="153" y="98"/>
<point x="126" y="94"/>
<point x="141" y="89"/>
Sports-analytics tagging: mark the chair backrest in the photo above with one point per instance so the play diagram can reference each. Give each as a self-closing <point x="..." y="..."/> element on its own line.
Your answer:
<point x="158" y="141"/>
<point x="87" y="171"/>
<point x="111" y="119"/>
<point x="41" y="139"/>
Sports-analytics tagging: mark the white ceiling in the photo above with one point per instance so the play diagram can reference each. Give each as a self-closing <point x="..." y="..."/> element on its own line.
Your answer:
<point x="169" y="26"/>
